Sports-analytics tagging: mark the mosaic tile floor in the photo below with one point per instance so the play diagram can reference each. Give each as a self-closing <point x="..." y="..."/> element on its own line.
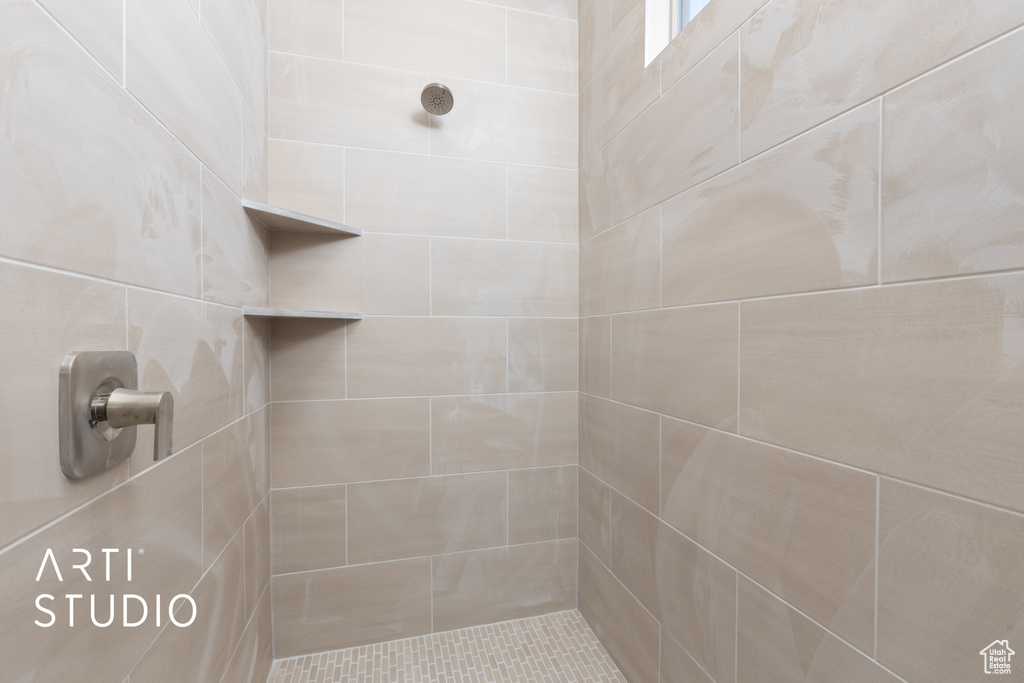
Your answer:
<point x="555" y="648"/>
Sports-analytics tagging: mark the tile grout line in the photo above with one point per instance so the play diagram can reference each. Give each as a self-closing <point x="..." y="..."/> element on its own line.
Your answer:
<point x="878" y="506"/>
<point x="881" y="151"/>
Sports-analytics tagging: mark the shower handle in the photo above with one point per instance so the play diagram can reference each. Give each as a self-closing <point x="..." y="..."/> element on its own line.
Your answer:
<point x="128" y="408"/>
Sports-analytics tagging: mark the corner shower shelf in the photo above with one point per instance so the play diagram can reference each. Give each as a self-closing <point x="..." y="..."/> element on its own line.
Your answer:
<point x="283" y="220"/>
<point x="258" y="312"/>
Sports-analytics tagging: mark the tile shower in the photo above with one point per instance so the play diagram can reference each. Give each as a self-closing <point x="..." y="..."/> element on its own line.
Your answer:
<point x="723" y="352"/>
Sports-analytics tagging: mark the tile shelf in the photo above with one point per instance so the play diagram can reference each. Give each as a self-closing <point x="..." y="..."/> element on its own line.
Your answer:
<point x="260" y="312"/>
<point x="283" y="220"/>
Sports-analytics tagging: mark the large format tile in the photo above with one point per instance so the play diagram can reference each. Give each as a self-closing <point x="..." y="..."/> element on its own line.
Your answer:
<point x="627" y="630"/>
<point x="491" y="277"/>
<point x="498" y="584"/>
<point x="255" y="652"/>
<point x="949" y="583"/>
<point x="389" y="520"/>
<point x="503" y="431"/>
<point x="255" y="158"/>
<point x="777" y="643"/>
<point x="308" y="178"/>
<point x="426" y="356"/>
<point x="234" y="249"/>
<point x="165" y="521"/>
<point x="256" y="353"/>
<point x="424" y="195"/>
<point x="802" y="528"/>
<point x="338" y="103"/>
<point x="680" y="362"/>
<point x="378" y="274"/>
<point x="801" y="67"/>
<point x="193" y="350"/>
<point x="542" y="52"/>
<point x="256" y="536"/>
<point x="620" y="444"/>
<point x="307" y="528"/>
<point x="543" y="204"/>
<point x="952" y="173"/>
<point x="408" y="34"/>
<point x="595" y="500"/>
<point x="542" y="504"/>
<point x="98" y="26"/>
<point x="646" y="168"/>
<point x="595" y="194"/>
<point x="691" y="593"/>
<point x="602" y="25"/>
<point x="175" y="71"/>
<point x="238" y="29"/>
<point x="43" y="316"/>
<point x="336" y="608"/>
<point x="329" y="442"/>
<point x="677" y="666"/>
<point x="620" y="269"/>
<point x="308" y="359"/>
<point x="929" y="373"/>
<point x="596" y="356"/>
<point x="92" y="183"/>
<point x="565" y="9"/>
<point x="308" y="27"/>
<point x="542" y="354"/>
<point x="801" y="217"/>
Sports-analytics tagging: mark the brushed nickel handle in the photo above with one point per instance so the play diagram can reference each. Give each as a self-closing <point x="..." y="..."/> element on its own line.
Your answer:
<point x="128" y="408"/>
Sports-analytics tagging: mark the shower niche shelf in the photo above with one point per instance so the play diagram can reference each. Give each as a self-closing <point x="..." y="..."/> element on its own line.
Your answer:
<point x="260" y="312"/>
<point x="282" y="220"/>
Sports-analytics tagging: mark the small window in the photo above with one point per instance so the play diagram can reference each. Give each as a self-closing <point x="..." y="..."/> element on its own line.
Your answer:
<point x="665" y="19"/>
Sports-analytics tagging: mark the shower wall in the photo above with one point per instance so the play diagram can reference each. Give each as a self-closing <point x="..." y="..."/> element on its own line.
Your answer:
<point x="129" y="132"/>
<point x="423" y="459"/>
<point x="802" y="340"/>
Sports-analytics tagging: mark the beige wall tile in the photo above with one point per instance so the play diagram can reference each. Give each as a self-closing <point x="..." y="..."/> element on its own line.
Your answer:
<point x="801" y="68"/>
<point x="256" y="534"/>
<point x="311" y="27"/>
<point x="677" y="666"/>
<point x="193" y="350"/>
<point x="308" y="359"/>
<point x="542" y="52"/>
<point x="237" y="29"/>
<point x="255" y="652"/>
<point x="691" y="593"/>
<point x="504" y="123"/>
<point x="543" y="204"/>
<point x="308" y="528"/>
<point x="802" y="217"/>
<point x="236" y="477"/>
<point x="595" y="194"/>
<point x="595" y="515"/>
<point x="426" y="356"/>
<point x="618" y="92"/>
<point x="89" y="168"/>
<point x="620" y="269"/>
<point x="327" y="442"/>
<point x="628" y="632"/>
<point x="553" y="8"/>
<point x="234" y="249"/>
<point x="336" y="608"/>
<point x="490" y="277"/>
<point x="542" y="354"/>
<point x="952" y="198"/>
<point x="43" y="316"/>
<point x="620" y="445"/>
<point x="933" y="370"/>
<point x="949" y="582"/>
<point x="596" y="356"/>
<point x="308" y="178"/>
<point x="542" y="504"/>
<point x="473" y="433"/>
<point x="255" y="158"/>
<point x="680" y="362"/>
<point x="98" y="26"/>
<point x="407" y="34"/>
<point x="320" y="100"/>
<point x="175" y="71"/>
<point x="486" y="586"/>
<point x="602" y="25"/>
<point x="159" y="512"/>
<point x="645" y="169"/>
<point x="201" y="652"/>
<point x="710" y="27"/>
<point x="390" y="520"/>
<point x="378" y="274"/>
<point x="777" y="643"/>
<point x="424" y="195"/>
<point x="799" y="526"/>
<point x="256" y="352"/>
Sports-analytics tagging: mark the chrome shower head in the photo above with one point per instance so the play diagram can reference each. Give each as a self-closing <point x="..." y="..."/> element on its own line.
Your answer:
<point x="437" y="99"/>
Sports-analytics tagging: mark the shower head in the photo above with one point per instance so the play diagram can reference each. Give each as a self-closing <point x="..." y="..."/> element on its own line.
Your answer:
<point x="437" y="99"/>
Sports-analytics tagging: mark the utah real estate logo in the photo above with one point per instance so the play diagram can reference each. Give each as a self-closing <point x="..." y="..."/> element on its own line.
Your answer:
<point x="997" y="657"/>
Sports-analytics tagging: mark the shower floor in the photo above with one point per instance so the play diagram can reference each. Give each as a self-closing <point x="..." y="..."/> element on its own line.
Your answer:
<point x="554" y="648"/>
